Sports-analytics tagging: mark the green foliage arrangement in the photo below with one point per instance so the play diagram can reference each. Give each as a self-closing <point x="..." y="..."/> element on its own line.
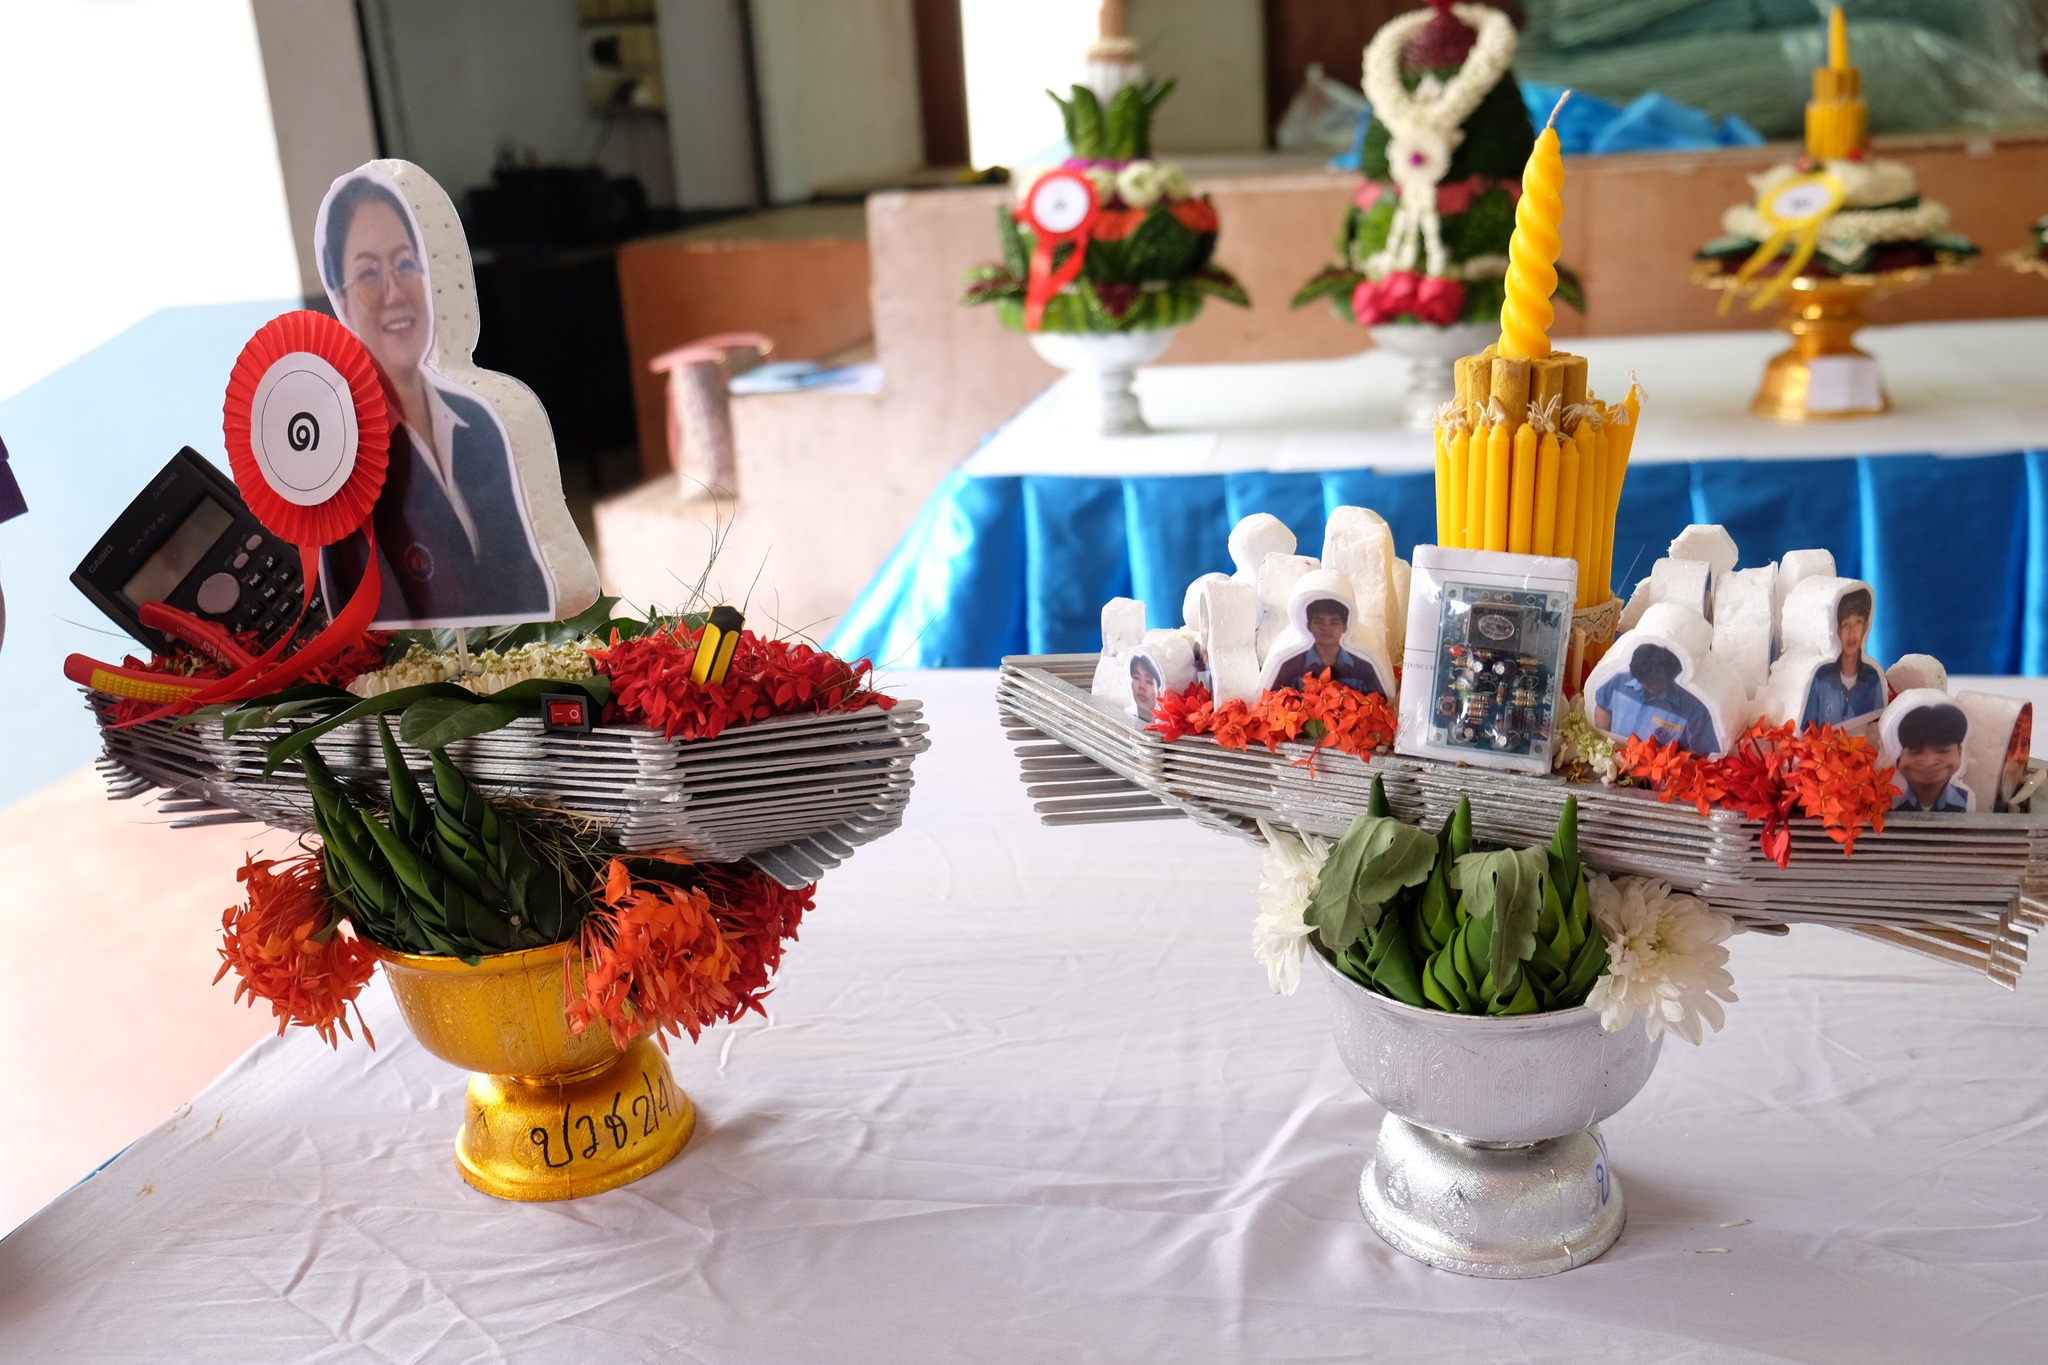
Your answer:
<point x="1435" y="922"/>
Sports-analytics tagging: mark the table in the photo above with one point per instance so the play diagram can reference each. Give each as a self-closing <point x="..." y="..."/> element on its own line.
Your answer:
<point x="1023" y="1096"/>
<point x="1019" y="547"/>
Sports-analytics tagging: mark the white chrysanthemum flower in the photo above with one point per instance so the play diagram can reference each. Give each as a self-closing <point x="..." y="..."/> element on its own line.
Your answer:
<point x="1286" y="881"/>
<point x="1173" y="182"/>
<point x="1579" y="743"/>
<point x="1103" y="181"/>
<point x="491" y="671"/>
<point x="1140" y="184"/>
<point x="1665" y="959"/>
<point x="420" y="665"/>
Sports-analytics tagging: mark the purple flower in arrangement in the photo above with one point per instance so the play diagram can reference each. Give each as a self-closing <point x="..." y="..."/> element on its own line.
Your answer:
<point x="1117" y="298"/>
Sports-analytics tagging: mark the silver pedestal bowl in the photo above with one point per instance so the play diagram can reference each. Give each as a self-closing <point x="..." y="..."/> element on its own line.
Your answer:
<point x="1490" y="1161"/>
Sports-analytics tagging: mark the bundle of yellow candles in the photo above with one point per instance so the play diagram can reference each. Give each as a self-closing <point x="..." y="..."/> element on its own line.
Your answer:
<point x="1837" y="119"/>
<point x="1526" y="460"/>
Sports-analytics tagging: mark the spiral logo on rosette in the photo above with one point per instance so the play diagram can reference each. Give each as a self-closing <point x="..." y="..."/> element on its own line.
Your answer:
<point x="302" y="432"/>
<point x="307" y="429"/>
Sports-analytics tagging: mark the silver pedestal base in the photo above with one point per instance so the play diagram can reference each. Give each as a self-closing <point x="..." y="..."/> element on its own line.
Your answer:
<point x="1497" y="1211"/>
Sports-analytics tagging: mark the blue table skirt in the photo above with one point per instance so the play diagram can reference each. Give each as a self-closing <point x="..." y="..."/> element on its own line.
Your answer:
<point x="1955" y="548"/>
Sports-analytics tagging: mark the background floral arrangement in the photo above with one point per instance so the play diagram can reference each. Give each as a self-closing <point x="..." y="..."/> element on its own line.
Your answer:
<point x="1148" y="251"/>
<point x="1426" y="237"/>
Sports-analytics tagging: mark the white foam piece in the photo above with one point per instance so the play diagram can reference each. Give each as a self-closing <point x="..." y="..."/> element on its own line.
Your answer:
<point x="1682" y="582"/>
<point x="1916" y="670"/>
<point x="1404" y="574"/>
<point x="1123" y="630"/>
<point x="1277" y="576"/>
<point x="1224" y="614"/>
<point x="1253" y="538"/>
<point x="1806" y="621"/>
<point x="1682" y="625"/>
<point x="1743" y="601"/>
<point x="1190" y="600"/>
<point x="1711" y="545"/>
<point x="1783" y="698"/>
<point x="1915" y="698"/>
<point x="1992" y="718"/>
<point x="1640" y="599"/>
<point x="1358" y="543"/>
<point x="1173" y="655"/>
<point x="1795" y="568"/>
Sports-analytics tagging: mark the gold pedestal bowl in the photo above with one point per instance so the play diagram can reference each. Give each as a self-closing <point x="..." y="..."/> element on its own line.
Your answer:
<point x="551" y="1114"/>
<point x="1811" y="381"/>
<point x="2025" y="262"/>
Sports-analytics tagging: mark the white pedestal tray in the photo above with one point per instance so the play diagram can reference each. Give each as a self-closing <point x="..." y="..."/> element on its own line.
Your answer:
<point x="1967" y="889"/>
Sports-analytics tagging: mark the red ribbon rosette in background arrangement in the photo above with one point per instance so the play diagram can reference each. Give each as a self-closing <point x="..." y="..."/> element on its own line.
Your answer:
<point x="1061" y="208"/>
<point x="308" y="431"/>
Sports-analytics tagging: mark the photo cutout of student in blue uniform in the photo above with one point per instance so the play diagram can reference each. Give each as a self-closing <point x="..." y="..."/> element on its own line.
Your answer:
<point x="1850" y="687"/>
<point x="1650" y="701"/>
<point x="1925" y="742"/>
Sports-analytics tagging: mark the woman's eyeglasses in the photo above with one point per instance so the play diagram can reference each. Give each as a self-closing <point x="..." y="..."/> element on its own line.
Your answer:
<point x="370" y="276"/>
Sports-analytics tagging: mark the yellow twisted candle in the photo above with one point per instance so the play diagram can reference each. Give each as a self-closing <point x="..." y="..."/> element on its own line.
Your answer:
<point x="1526" y="314"/>
<point x="1837" y="119"/>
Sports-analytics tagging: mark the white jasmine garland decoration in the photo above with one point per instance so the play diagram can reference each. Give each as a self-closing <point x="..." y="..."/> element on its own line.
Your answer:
<point x="1286" y="881"/>
<point x="1425" y="126"/>
<point x="1666" y="961"/>
<point x="1140" y="184"/>
<point x="489" y="671"/>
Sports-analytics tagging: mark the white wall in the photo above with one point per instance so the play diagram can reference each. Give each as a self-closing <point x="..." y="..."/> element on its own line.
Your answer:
<point x="319" y="106"/>
<point x="838" y="92"/>
<point x="141" y="172"/>
<point x="1010" y="66"/>
<point x="710" y="126"/>
<point x="458" y="77"/>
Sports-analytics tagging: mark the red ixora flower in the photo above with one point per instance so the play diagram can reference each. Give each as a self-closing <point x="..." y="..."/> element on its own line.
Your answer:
<point x="650" y="677"/>
<point x="1331" y="714"/>
<point x="1772" y="775"/>
<point x="286" y="946"/>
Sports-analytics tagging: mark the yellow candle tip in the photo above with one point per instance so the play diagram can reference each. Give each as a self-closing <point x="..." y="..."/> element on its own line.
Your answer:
<point x="1838" y="40"/>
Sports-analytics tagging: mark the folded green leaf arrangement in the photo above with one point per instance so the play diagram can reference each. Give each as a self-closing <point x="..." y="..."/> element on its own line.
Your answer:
<point x="1435" y="922"/>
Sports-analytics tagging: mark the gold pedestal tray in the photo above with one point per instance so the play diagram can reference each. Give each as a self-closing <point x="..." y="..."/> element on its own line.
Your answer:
<point x="551" y="1114"/>
<point x="2025" y="262"/>
<point x="1823" y="314"/>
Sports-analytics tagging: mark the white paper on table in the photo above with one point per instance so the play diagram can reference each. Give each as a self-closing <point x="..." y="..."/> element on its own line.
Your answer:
<point x="1843" y="383"/>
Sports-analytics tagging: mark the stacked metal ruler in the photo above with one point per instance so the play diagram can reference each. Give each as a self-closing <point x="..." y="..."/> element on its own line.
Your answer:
<point x="794" y="795"/>
<point x="1968" y="889"/>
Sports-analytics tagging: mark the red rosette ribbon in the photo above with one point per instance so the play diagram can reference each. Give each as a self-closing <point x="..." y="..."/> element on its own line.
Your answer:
<point x="1061" y="207"/>
<point x="308" y="427"/>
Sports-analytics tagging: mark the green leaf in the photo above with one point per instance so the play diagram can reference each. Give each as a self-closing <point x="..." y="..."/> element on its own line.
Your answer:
<point x="1016" y="254"/>
<point x="437" y="722"/>
<point x="1332" y="281"/>
<point x="1084" y="125"/>
<point x="1569" y="287"/>
<point x="410" y="818"/>
<point x="1124" y="122"/>
<point x="1375" y="860"/>
<point x="1504" y="888"/>
<point x="1461" y="829"/>
<point x="1391" y="962"/>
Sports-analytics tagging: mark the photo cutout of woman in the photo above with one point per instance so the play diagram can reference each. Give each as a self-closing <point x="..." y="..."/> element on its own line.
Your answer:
<point x="455" y="537"/>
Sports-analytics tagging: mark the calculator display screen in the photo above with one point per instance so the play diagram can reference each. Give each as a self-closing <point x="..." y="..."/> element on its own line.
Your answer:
<point x="163" y="571"/>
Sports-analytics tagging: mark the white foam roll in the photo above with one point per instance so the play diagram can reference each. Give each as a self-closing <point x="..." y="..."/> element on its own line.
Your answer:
<point x="1795" y="568"/>
<point x="1806" y="624"/>
<point x="1253" y="538"/>
<point x="1397" y="629"/>
<point x="1682" y="582"/>
<point x="1170" y="652"/>
<point x="1123" y="629"/>
<point x="1916" y="670"/>
<point x="1742" y="625"/>
<point x="1190" y="601"/>
<point x="1783" y="698"/>
<point x="1277" y="576"/>
<point x="1682" y="625"/>
<point x="1640" y="599"/>
<point x="1358" y="543"/>
<point x="1711" y="545"/>
<point x="1230" y="649"/>
<point x="1992" y="719"/>
<point x="1367" y="642"/>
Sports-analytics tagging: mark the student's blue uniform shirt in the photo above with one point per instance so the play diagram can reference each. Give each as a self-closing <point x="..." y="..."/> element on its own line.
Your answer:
<point x="1349" y="669"/>
<point x="1951" y="799"/>
<point x="1672" y="716"/>
<point x="1830" y="703"/>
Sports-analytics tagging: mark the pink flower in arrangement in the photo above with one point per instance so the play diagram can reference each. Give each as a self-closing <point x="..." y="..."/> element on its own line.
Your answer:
<point x="1404" y="293"/>
<point x="1439" y="301"/>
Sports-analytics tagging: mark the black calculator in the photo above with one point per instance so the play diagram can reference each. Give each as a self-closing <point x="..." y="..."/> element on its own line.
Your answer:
<point x="190" y="542"/>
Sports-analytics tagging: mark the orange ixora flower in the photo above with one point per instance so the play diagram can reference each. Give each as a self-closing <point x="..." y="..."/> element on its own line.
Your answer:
<point x="1330" y="714"/>
<point x="655" y="960"/>
<point x="286" y="946"/>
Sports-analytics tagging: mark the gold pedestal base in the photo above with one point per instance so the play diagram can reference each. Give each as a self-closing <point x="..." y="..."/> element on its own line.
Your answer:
<point x="565" y="1137"/>
<point x="551" y="1114"/>
<point x="1824" y="376"/>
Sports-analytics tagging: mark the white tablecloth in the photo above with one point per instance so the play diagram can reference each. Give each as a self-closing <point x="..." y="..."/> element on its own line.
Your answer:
<point x="1024" y="1097"/>
<point x="1957" y="388"/>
